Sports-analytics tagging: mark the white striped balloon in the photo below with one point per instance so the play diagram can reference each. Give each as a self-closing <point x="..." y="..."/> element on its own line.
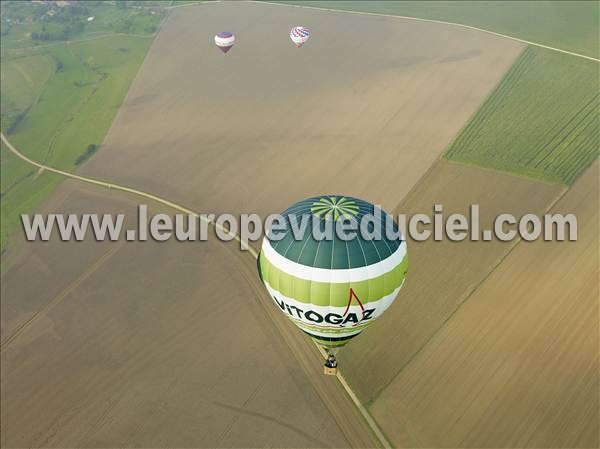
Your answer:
<point x="224" y="41"/>
<point x="299" y="35"/>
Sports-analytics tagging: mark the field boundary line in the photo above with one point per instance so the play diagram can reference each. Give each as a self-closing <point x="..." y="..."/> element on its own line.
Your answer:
<point x="361" y="408"/>
<point x="419" y="19"/>
<point x="559" y="196"/>
<point x="195" y="3"/>
<point x="62" y="295"/>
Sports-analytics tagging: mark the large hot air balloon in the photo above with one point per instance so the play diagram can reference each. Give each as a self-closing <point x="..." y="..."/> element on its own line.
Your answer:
<point x="333" y="289"/>
<point x="224" y="40"/>
<point x="299" y="35"/>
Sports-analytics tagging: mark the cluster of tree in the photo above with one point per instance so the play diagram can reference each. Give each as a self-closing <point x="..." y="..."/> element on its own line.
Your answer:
<point x="73" y="12"/>
<point x="12" y="118"/>
<point x="61" y="23"/>
<point x="55" y="23"/>
<point x="89" y="151"/>
<point x="58" y="33"/>
<point x="20" y="12"/>
<point x="58" y="64"/>
<point x="5" y="28"/>
<point x="123" y="25"/>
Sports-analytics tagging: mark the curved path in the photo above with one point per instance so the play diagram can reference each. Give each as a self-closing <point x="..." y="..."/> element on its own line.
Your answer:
<point x="349" y="428"/>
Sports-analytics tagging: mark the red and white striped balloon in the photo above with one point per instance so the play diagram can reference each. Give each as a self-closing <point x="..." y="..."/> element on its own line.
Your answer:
<point x="299" y="35"/>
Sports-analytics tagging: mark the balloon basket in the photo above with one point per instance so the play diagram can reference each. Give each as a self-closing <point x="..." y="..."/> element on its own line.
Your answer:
<point x="329" y="371"/>
<point x="330" y="367"/>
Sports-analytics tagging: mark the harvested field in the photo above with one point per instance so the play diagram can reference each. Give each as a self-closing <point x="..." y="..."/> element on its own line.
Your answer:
<point x="441" y="274"/>
<point x="268" y="124"/>
<point x="154" y="344"/>
<point x="517" y="365"/>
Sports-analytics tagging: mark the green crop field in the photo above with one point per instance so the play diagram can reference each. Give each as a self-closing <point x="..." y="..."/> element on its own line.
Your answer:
<point x="569" y="25"/>
<point x="24" y="79"/>
<point x="541" y="121"/>
<point x="72" y="109"/>
<point x="59" y="98"/>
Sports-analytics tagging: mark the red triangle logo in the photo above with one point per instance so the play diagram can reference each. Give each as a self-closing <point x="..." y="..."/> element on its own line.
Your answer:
<point x="350" y="297"/>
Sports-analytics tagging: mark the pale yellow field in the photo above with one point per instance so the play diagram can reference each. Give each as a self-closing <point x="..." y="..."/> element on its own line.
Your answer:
<point x="155" y="344"/>
<point x="442" y="275"/>
<point x="517" y="365"/>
